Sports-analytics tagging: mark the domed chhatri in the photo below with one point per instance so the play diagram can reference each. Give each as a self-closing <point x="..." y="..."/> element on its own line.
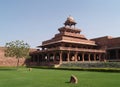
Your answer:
<point x="70" y="21"/>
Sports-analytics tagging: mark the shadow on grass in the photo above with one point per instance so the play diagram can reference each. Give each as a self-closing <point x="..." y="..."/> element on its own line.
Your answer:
<point x="7" y="69"/>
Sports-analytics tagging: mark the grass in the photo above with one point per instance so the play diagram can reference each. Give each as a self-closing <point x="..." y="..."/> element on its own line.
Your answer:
<point x="56" y="78"/>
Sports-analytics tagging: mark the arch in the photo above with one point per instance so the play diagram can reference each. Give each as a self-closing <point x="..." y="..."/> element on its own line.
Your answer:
<point x="92" y="57"/>
<point x="57" y="57"/>
<point x="86" y="57"/>
<point x="97" y="57"/>
<point x="64" y="56"/>
<point x="103" y="57"/>
<point x="40" y="58"/>
<point x="51" y="57"/>
<point x="72" y="56"/>
<point x="45" y="57"/>
<point x="35" y="58"/>
<point x="79" y="57"/>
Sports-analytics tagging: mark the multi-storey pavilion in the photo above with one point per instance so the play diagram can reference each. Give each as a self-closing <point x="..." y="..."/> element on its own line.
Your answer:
<point x="68" y="45"/>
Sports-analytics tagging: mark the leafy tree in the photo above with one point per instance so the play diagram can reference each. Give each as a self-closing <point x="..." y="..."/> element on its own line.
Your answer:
<point x="17" y="49"/>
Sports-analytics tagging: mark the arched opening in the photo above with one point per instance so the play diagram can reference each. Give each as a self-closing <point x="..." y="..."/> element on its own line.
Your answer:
<point x="51" y="57"/>
<point x="102" y="57"/>
<point x="45" y="57"/>
<point x="72" y="57"/>
<point x="57" y="57"/>
<point x="79" y="57"/>
<point x="64" y="56"/>
<point x="86" y="57"/>
<point x="97" y="57"/>
<point x="35" y="58"/>
<point x="92" y="57"/>
<point x="40" y="58"/>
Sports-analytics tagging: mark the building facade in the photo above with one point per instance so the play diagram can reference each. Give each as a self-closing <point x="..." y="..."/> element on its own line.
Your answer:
<point x="111" y="45"/>
<point x="69" y="45"/>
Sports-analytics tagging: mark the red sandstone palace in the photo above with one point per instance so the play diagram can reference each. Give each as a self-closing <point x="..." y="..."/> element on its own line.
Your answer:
<point x="70" y="45"/>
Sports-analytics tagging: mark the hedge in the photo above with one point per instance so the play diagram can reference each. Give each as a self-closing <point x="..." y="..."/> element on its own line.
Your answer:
<point x="92" y="64"/>
<point x="80" y="69"/>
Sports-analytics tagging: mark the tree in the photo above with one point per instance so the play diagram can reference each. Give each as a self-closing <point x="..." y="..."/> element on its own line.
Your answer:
<point x="17" y="49"/>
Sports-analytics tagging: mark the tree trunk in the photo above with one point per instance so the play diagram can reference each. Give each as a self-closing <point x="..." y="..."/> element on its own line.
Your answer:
<point x="17" y="63"/>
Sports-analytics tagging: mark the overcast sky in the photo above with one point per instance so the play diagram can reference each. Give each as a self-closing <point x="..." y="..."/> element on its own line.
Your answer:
<point x="37" y="20"/>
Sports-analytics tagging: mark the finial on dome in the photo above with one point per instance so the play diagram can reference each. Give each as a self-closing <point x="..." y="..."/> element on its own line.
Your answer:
<point x="70" y="21"/>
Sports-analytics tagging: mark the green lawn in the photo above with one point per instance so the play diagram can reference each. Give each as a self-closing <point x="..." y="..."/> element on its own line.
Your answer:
<point x="57" y="78"/>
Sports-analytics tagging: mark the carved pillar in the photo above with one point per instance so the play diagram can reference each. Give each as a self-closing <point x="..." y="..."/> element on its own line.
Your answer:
<point x="54" y="57"/>
<point x="104" y="57"/>
<point x="89" y="57"/>
<point x="99" y="57"/>
<point x="94" y="57"/>
<point x="68" y="56"/>
<point x="76" y="53"/>
<point x="48" y="57"/>
<point x="60" y="57"/>
<point x="83" y="57"/>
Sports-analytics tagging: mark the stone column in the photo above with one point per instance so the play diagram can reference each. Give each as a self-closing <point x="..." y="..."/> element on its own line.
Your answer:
<point x="54" y="57"/>
<point x="83" y="57"/>
<point x="48" y="59"/>
<point x="94" y="57"/>
<point x="99" y="57"/>
<point x="104" y="57"/>
<point x="76" y="53"/>
<point x="89" y="57"/>
<point x="60" y="57"/>
<point x="68" y="56"/>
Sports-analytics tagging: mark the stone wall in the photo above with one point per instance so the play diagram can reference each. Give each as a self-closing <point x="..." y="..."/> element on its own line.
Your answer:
<point x="108" y="41"/>
<point x="9" y="61"/>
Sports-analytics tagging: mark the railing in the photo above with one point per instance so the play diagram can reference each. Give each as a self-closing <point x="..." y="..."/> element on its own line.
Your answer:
<point x="76" y="49"/>
<point x="81" y="49"/>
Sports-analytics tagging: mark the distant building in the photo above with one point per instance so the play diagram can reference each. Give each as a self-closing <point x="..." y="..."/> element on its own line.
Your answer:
<point x="111" y="45"/>
<point x="69" y="45"/>
<point x="10" y="61"/>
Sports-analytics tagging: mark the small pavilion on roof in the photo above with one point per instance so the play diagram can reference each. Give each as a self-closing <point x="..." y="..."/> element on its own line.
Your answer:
<point x="70" y="21"/>
<point x="66" y="46"/>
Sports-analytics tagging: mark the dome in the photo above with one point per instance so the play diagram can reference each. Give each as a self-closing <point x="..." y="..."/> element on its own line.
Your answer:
<point x="70" y="21"/>
<point x="70" y="18"/>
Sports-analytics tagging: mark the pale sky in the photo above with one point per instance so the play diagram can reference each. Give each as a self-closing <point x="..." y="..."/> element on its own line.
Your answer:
<point x="34" y="21"/>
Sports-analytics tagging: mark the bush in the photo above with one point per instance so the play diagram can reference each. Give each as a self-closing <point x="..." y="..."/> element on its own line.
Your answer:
<point x="92" y="65"/>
